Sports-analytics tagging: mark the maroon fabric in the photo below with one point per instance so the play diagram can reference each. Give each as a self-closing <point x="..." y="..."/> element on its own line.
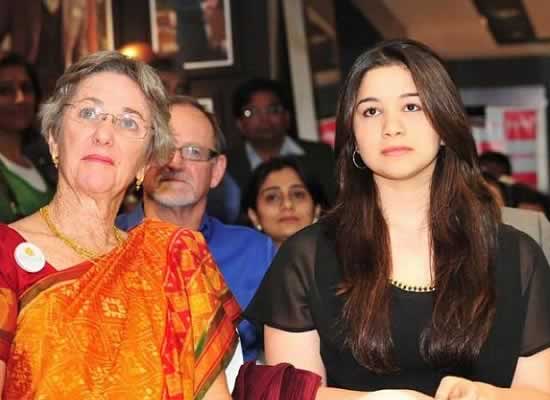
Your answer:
<point x="278" y="382"/>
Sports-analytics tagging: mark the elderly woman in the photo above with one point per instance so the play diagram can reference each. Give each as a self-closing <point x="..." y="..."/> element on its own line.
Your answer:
<point x="86" y="311"/>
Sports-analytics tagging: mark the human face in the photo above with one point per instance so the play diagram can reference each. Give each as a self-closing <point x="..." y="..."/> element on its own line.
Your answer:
<point x="284" y="205"/>
<point x="264" y="119"/>
<point x="17" y="99"/>
<point x="97" y="157"/>
<point x="393" y="134"/>
<point x="185" y="183"/>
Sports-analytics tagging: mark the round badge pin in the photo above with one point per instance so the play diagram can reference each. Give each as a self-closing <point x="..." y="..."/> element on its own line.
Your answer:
<point x="29" y="257"/>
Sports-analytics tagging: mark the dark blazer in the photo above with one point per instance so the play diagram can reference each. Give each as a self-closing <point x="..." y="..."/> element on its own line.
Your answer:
<point x="318" y="162"/>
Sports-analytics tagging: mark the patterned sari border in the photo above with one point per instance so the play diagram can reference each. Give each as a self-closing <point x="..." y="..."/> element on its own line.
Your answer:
<point x="54" y="280"/>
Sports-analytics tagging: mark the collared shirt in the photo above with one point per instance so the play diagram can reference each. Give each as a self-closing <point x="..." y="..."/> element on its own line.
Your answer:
<point x="243" y="256"/>
<point x="289" y="148"/>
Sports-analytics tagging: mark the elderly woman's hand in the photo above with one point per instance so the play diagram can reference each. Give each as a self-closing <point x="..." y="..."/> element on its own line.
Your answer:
<point x="455" y="388"/>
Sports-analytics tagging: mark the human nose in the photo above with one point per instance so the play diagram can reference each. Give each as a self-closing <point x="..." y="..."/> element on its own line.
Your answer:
<point x="393" y="125"/>
<point x="287" y="201"/>
<point x="19" y="94"/>
<point x="177" y="160"/>
<point x="104" y="133"/>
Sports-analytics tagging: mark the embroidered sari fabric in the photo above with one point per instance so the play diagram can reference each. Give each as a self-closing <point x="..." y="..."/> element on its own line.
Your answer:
<point x="152" y="319"/>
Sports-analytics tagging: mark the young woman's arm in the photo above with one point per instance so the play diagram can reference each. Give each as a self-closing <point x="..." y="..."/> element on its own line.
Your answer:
<point x="218" y="390"/>
<point x="531" y="382"/>
<point x="302" y="350"/>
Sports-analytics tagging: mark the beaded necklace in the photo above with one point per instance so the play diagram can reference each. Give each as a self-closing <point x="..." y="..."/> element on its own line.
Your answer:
<point x="77" y="248"/>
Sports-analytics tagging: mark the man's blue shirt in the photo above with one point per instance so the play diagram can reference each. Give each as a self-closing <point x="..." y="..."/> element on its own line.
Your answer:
<point x="243" y="256"/>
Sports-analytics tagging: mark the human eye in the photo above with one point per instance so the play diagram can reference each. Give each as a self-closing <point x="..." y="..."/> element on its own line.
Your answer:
<point x="371" y="112"/>
<point x="272" y="197"/>
<point x="6" y="89"/>
<point x="88" y="113"/>
<point x="411" y="107"/>
<point x="192" y="153"/>
<point x="299" y="194"/>
<point x="128" y="122"/>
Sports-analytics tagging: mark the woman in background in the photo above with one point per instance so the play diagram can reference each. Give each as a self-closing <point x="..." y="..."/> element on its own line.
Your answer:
<point x="280" y="200"/>
<point x="23" y="187"/>
<point x="410" y="288"/>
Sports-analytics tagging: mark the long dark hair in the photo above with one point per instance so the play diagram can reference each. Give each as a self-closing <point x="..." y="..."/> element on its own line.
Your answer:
<point x="463" y="221"/>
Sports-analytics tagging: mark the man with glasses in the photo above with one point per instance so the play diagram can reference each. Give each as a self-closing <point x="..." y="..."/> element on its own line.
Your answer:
<point x="261" y="110"/>
<point x="177" y="193"/>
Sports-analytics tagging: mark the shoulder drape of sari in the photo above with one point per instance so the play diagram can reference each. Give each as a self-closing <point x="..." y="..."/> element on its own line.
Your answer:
<point x="153" y="319"/>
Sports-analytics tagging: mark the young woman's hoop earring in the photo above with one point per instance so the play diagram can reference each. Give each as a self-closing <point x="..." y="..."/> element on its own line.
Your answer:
<point x="358" y="165"/>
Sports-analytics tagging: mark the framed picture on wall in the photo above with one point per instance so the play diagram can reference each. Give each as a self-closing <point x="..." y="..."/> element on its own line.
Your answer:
<point x="54" y="34"/>
<point x="196" y="33"/>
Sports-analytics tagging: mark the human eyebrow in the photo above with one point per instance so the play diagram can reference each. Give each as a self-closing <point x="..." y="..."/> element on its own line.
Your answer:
<point x="366" y="100"/>
<point x="129" y="110"/>
<point x="271" y="189"/>
<point x="298" y="186"/>
<point x="94" y="100"/>
<point x="413" y="94"/>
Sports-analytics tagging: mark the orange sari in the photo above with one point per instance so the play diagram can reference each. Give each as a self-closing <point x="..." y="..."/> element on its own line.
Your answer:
<point x="152" y="319"/>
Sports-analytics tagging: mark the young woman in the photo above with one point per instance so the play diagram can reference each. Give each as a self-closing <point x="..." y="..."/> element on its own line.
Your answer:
<point x="280" y="199"/>
<point x="411" y="287"/>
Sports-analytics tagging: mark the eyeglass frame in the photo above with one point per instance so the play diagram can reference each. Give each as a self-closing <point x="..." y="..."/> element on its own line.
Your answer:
<point x="210" y="156"/>
<point x="102" y="116"/>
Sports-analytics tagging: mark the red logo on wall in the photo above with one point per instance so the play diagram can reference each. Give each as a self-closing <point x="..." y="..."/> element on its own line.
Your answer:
<point x="520" y="125"/>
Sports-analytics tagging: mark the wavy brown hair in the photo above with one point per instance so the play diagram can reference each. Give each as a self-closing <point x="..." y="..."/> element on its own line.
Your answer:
<point x="463" y="222"/>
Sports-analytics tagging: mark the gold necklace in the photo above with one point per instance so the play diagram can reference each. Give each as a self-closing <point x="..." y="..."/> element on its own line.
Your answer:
<point x="412" y="288"/>
<point x="77" y="248"/>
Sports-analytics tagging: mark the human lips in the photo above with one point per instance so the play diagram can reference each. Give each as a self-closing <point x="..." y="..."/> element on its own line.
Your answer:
<point x="99" y="158"/>
<point x="394" y="151"/>
<point x="289" y="219"/>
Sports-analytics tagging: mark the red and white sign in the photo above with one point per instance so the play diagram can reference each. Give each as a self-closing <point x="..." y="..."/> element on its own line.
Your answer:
<point x="520" y="134"/>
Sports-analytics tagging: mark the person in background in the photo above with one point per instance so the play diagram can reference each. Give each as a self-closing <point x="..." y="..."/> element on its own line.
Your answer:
<point x="177" y="193"/>
<point x="88" y="311"/>
<point x="410" y="288"/>
<point x="261" y="110"/>
<point x="532" y="222"/>
<point x="174" y="78"/>
<point x="497" y="165"/>
<point x="516" y="194"/>
<point x="24" y="188"/>
<point x="281" y="199"/>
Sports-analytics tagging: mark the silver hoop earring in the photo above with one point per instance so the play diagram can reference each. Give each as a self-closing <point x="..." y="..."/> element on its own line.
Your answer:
<point x="358" y="165"/>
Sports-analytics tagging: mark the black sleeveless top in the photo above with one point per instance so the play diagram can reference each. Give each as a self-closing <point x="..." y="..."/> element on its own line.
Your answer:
<point x="298" y="294"/>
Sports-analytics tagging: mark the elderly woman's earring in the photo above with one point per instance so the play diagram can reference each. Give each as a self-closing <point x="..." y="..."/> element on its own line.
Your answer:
<point x="55" y="160"/>
<point x="358" y="164"/>
<point x="259" y="227"/>
<point x="139" y="181"/>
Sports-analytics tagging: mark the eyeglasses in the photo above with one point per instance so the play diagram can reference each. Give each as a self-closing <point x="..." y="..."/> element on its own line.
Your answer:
<point x="127" y="123"/>
<point x="251" y="112"/>
<point x="193" y="152"/>
<point x="9" y="89"/>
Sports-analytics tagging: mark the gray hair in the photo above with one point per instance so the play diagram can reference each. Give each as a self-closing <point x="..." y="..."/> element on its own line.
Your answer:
<point x="219" y="138"/>
<point x="51" y="111"/>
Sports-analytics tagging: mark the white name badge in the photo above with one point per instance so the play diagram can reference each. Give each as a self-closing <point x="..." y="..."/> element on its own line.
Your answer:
<point x="29" y="257"/>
